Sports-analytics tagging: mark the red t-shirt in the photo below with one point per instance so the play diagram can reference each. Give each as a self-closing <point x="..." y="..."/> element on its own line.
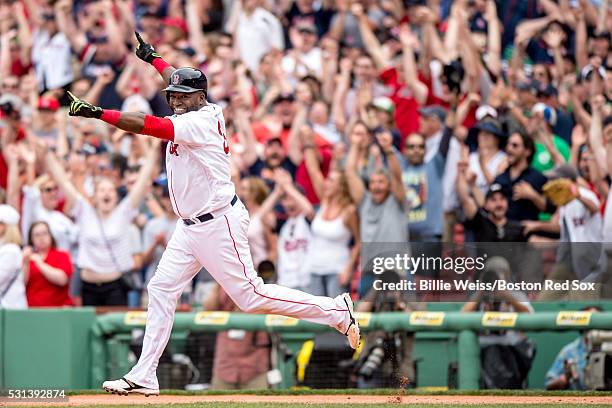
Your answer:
<point x="3" y="165"/>
<point x="303" y="179"/>
<point x="18" y="69"/>
<point x="39" y="291"/>
<point x="406" y="113"/>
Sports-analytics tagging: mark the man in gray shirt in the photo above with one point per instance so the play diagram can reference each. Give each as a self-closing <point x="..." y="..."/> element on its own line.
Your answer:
<point x="381" y="205"/>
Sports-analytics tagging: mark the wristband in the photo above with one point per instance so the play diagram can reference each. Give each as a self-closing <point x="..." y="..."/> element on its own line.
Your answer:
<point x="111" y="116"/>
<point x="160" y="65"/>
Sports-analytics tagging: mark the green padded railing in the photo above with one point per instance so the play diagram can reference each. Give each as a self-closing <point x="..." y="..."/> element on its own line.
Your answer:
<point x="466" y="324"/>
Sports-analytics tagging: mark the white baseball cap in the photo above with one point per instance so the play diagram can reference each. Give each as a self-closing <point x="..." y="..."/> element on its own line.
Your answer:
<point x="550" y="116"/>
<point x="8" y="215"/>
<point x="485" y="110"/>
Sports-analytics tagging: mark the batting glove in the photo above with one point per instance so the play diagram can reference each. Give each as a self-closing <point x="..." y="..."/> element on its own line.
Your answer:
<point x="82" y="108"/>
<point x="145" y="51"/>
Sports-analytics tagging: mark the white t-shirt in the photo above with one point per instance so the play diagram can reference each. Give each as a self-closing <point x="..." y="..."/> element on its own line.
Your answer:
<point x="310" y="61"/>
<point x="152" y="228"/>
<point x="584" y="231"/>
<point x="64" y="231"/>
<point x="492" y="166"/>
<point x="581" y="225"/>
<point x="607" y="223"/>
<point x="94" y="252"/>
<point x="11" y="278"/>
<point x="329" y="250"/>
<point x="258" y="34"/>
<point x="52" y="59"/>
<point x="198" y="163"/>
<point x="293" y="241"/>
<point x="257" y="240"/>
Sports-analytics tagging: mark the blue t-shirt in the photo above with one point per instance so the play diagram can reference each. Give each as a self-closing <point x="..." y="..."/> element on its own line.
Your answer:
<point x="575" y="351"/>
<point x="423" y="185"/>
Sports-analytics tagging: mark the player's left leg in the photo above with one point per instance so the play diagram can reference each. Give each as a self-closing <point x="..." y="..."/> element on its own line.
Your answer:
<point x="222" y="247"/>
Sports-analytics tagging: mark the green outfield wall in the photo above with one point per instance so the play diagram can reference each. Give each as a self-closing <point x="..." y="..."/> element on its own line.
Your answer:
<point x="46" y="348"/>
<point x="75" y="349"/>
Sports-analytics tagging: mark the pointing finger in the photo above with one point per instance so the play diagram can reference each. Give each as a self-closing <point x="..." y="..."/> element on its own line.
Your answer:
<point x="72" y="97"/>
<point x="139" y="38"/>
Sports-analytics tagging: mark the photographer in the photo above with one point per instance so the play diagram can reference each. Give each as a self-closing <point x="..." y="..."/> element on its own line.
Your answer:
<point x="386" y="359"/>
<point x="505" y="356"/>
<point x="567" y="371"/>
<point x="497" y="268"/>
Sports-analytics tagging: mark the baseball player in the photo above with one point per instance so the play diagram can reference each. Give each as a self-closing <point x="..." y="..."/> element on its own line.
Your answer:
<point x="212" y="226"/>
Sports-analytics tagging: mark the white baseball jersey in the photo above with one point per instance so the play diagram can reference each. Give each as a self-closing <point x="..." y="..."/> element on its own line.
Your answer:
<point x="198" y="163"/>
<point x="582" y="226"/>
<point x="199" y="182"/>
<point x="293" y="240"/>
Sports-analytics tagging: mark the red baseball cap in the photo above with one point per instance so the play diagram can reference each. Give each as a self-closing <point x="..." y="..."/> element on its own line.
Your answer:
<point x="48" y="103"/>
<point x="176" y="22"/>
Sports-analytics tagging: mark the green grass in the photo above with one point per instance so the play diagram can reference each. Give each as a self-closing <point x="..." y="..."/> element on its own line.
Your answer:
<point x="287" y="405"/>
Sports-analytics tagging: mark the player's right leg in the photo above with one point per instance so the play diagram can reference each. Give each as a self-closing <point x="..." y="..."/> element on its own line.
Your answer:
<point x="221" y="245"/>
<point x="175" y="270"/>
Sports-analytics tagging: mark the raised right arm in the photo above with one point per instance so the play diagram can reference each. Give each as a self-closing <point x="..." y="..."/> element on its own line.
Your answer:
<point x="55" y="168"/>
<point x="147" y="53"/>
<point x="356" y="185"/>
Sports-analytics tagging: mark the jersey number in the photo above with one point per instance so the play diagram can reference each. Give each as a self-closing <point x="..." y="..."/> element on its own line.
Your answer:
<point x="225" y="145"/>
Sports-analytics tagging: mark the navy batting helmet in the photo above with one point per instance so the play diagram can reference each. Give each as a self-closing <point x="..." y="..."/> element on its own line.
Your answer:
<point x="187" y="80"/>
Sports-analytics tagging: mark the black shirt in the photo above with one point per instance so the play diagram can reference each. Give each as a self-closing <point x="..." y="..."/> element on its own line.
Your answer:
<point x="259" y="165"/>
<point x="320" y="18"/>
<point x="522" y="209"/>
<point x="486" y="231"/>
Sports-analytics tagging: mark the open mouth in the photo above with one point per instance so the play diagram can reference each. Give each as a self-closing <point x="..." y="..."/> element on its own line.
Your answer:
<point x="180" y="110"/>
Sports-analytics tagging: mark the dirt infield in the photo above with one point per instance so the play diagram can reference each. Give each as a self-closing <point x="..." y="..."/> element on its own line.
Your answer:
<point x="136" y="400"/>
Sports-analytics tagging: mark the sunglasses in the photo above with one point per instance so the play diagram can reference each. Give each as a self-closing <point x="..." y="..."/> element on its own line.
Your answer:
<point x="415" y="146"/>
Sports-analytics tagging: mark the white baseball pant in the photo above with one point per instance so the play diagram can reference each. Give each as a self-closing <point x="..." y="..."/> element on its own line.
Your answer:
<point x="221" y="246"/>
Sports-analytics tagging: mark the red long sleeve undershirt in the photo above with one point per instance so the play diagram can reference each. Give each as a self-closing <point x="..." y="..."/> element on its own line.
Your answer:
<point x="161" y="128"/>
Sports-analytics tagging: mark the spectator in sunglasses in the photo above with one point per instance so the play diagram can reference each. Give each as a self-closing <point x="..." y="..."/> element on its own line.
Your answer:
<point x="42" y="202"/>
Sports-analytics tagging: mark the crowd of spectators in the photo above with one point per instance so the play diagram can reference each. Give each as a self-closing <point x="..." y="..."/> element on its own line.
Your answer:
<point x="350" y="122"/>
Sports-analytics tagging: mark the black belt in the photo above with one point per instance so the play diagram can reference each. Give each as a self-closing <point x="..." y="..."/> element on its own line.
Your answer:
<point x="206" y="217"/>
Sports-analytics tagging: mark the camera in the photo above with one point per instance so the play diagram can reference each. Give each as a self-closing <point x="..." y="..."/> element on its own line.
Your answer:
<point x="452" y="75"/>
<point x="10" y="106"/>
<point x="380" y="362"/>
<point x="373" y="360"/>
<point x="7" y="108"/>
<point x="598" y="370"/>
